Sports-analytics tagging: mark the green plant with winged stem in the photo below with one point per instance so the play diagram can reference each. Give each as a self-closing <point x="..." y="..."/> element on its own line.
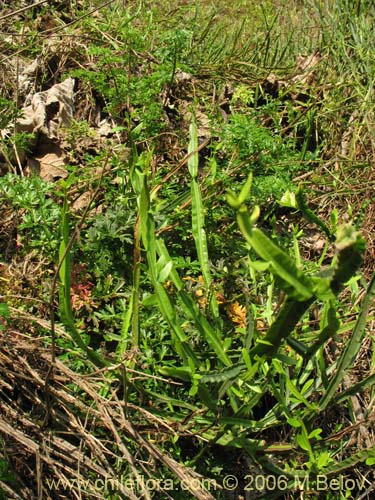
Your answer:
<point x="232" y="383"/>
<point x="302" y="290"/>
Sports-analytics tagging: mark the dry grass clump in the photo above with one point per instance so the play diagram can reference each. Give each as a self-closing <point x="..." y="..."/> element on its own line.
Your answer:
<point x="65" y="440"/>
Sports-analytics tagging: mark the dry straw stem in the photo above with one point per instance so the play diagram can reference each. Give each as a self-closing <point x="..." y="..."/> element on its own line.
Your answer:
<point x="23" y="9"/>
<point x="75" y="451"/>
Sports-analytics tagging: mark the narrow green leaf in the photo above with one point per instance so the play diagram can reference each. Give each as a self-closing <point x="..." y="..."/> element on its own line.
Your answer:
<point x="232" y="199"/>
<point x="350" y="462"/>
<point x="288" y="199"/>
<point x="294" y="422"/>
<point x="282" y="264"/>
<point x="166" y="307"/>
<point x="296" y="393"/>
<point x="193" y="150"/>
<point x="303" y="442"/>
<point x="158" y="396"/>
<point x="315" y="434"/>
<point x="4" y="310"/>
<point x="291" y="312"/>
<point x="192" y="311"/>
<point x="223" y="375"/>
<point x="254" y="215"/>
<point x="198" y="216"/>
<point x="122" y="345"/>
<point x="182" y="373"/>
<point x="165" y="272"/>
<point x="246" y="358"/>
<point x="259" y="265"/>
<point x="245" y="191"/>
<point x="163" y="252"/>
<point x="356" y="389"/>
<point x="352" y="347"/>
<point x="207" y="398"/>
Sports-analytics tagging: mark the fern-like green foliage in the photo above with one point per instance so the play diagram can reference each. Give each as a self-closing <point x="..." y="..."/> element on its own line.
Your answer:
<point x="272" y="160"/>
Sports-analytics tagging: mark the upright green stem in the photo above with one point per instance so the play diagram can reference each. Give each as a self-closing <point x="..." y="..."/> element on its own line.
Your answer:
<point x="136" y="278"/>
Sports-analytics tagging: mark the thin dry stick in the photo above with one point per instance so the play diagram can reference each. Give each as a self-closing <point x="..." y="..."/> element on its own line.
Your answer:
<point x="19" y="11"/>
<point x="39" y="475"/>
<point x="121" y="445"/>
<point x="78" y="18"/>
<point x="178" y="167"/>
<point x="60" y="457"/>
<point x="17" y="104"/>
<point x="4" y="152"/>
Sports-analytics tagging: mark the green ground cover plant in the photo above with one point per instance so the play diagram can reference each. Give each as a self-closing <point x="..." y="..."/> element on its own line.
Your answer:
<point x="186" y="271"/>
